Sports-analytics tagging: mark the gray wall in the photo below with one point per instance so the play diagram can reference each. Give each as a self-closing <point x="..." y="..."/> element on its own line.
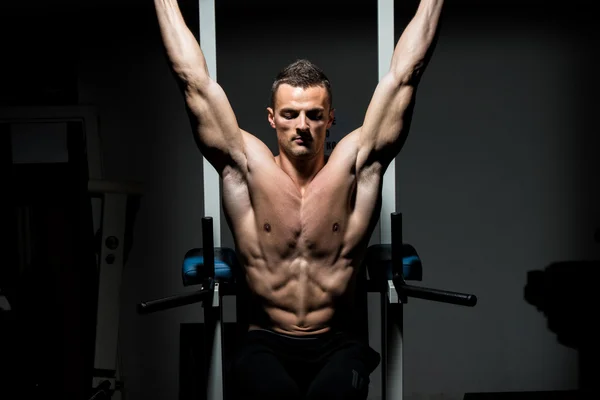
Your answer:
<point x="497" y="177"/>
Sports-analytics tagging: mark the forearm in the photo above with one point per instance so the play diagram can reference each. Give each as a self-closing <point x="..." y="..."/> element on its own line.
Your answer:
<point x="182" y="48"/>
<point x="416" y="43"/>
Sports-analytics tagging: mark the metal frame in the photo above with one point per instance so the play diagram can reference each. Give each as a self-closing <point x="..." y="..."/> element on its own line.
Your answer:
<point x="114" y="196"/>
<point x="109" y="216"/>
<point x="87" y="115"/>
<point x="377" y="302"/>
<point x="212" y="203"/>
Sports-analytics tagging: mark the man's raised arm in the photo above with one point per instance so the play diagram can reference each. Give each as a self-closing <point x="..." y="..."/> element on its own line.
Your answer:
<point x="388" y="116"/>
<point x="215" y="127"/>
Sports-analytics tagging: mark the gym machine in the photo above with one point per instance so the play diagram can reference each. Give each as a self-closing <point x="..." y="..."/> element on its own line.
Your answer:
<point x="387" y="267"/>
<point x="119" y="204"/>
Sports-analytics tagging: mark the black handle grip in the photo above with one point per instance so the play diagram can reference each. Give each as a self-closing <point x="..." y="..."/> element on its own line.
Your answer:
<point x="179" y="300"/>
<point x="443" y="296"/>
<point x="403" y="289"/>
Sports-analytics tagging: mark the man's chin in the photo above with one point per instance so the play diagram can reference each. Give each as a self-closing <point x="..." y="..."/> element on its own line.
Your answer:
<point x="299" y="151"/>
<point x="304" y="153"/>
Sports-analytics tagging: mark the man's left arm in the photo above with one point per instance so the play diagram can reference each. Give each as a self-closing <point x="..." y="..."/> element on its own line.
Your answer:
<point x="389" y="114"/>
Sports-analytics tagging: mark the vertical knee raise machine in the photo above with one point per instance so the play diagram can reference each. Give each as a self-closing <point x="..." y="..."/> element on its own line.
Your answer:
<point x="387" y="266"/>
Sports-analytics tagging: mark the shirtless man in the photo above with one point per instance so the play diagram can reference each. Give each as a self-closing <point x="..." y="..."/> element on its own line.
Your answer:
<point x="301" y="225"/>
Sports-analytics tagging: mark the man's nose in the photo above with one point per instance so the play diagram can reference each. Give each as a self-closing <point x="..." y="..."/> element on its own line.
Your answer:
<point x="302" y="123"/>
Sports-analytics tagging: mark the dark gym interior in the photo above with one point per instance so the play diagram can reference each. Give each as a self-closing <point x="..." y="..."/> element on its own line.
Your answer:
<point x="498" y="183"/>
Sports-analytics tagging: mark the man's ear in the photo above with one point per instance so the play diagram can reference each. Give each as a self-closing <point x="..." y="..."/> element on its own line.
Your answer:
<point x="331" y="118"/>
<point x="271" y="116"/>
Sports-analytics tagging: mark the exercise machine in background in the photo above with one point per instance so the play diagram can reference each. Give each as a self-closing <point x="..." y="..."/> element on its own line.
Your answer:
<point x="69" y="232"/>
<point x="119" y="205"/>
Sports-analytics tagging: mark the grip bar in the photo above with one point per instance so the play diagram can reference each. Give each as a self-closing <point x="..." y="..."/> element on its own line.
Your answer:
<point x="404" y="290"/>
<point x="443" y="296"/>
<point x="205" y="293"/>
<point x="179" y="300"/>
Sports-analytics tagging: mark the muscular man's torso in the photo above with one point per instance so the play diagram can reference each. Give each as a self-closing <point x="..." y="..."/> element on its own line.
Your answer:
<point x="301" y="249"/>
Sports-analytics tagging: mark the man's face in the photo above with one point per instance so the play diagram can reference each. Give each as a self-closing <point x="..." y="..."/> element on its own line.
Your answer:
<point x="301" y="118"/>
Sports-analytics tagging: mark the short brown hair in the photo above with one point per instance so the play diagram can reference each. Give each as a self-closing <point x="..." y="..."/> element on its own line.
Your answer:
<point x="301" y="73"/>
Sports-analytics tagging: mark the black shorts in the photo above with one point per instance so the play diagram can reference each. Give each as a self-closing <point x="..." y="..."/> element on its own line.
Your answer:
<point x="330" y="366"/>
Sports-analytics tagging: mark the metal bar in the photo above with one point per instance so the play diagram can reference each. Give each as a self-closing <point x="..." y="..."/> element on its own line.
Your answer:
<point x="211" y="181"/>
<point x="179" y="300"/>
<point x="442" y="296"/>
<point x="109" y="280"/>
<point x="208" y="246"/>
<point x="385" y="50"/>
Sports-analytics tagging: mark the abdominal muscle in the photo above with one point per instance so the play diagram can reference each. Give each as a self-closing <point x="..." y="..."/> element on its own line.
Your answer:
<point x="299" y="296"/>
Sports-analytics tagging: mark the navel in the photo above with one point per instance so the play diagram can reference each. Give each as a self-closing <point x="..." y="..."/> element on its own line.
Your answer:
<point x="267" y="227"/>
<point x="336" y="227"/>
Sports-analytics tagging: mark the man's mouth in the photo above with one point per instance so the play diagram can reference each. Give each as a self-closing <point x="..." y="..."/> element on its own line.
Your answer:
<point x="301" y="139"/>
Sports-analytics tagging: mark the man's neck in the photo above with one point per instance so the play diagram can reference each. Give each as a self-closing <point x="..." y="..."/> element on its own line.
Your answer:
<point x="302" y="172"/>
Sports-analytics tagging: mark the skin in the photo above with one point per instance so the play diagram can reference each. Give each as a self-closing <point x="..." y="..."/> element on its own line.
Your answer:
<point x="305" y="230"/>
<point x="301" y="120"/>
<point x="301" y="226"/>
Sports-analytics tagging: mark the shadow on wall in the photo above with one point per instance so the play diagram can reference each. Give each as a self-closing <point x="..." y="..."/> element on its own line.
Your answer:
<point x="565" y="293"/>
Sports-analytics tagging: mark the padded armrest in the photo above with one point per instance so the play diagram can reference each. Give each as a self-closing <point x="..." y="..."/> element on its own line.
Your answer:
<point x="379" y="262"/>
<point x="194" y="270"/>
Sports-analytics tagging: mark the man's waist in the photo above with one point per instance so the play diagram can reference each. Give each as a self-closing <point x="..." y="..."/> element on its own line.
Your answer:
<point x="293" y="333"/>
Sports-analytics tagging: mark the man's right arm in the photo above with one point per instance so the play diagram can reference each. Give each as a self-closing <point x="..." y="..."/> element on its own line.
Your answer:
<point x="216" y="130"/>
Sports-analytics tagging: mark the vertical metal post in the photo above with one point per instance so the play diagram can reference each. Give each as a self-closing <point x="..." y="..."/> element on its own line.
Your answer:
<point x="391" y="352"/>
<point x="114" y="197"/>
<point x="211" y="181"/>
<point x="212" y="316"/>
<point x="109" y="286"/>
<point x="211" y="186"/>
<point x="385" y="36"/>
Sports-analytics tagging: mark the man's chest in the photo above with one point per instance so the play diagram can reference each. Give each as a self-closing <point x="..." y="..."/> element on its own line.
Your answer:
<point x="313" y="222"/>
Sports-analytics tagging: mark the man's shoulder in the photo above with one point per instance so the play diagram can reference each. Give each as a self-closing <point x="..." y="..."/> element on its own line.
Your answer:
<point x="254" y="142"/>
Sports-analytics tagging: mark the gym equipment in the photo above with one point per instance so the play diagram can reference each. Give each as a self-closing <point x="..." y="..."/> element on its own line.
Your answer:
<point x="216" y="270"/>
<point x="67" y="133"/>
<point x="119" y="203"/>
<point x="382" y="233"/>
<point x="210" y="266"/>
